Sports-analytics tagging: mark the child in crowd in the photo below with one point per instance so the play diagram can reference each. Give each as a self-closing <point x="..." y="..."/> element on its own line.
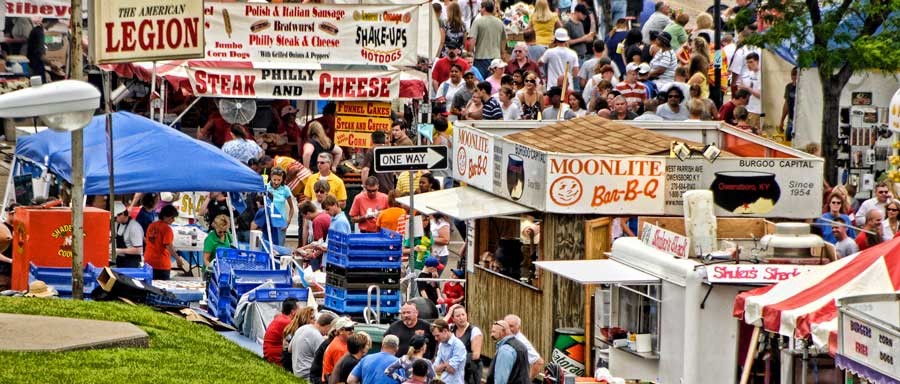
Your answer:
<point x="281" y="199"/>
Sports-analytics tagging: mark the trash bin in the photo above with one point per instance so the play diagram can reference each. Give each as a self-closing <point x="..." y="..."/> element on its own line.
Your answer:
<point x="568" y="350"/>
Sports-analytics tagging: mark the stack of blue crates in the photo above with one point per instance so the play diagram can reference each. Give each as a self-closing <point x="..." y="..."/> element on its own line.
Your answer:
<point x="61" y="278"/>
<point x="354" y="262"/>
<point x="237" y="272"/>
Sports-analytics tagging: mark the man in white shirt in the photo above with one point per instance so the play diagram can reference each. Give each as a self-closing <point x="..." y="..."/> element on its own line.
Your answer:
<point x="469" y="10"/>
<point x="882" y="196"/>
<point x="556" y="58"/>
<point x="658" y="21"/>
<point x="534" y="358"/>
<point x="751" y="81"/>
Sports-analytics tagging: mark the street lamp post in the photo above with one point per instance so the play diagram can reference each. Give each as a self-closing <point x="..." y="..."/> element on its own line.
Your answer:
<point x="64" y="106"/>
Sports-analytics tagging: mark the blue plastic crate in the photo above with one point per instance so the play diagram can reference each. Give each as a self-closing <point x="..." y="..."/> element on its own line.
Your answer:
<point x="361" y="301"/>
<point x="346" y="262"/>
<point x="155" y="300"/>
<point x="360" y="295"/>
<point x="143" y="274"/>
<point x="215" y="305"/>
<point x="279" y="294"/>
<point x="345" y="307"/>
<point x="61" y="278"/>
<point x="384" y="239"/>
<point x="230" y="260"/>
<point x="245" y="281"/>
<point x="335" y="247"/>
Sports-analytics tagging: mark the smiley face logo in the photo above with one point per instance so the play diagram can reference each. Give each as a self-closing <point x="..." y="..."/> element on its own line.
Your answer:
<point x="461" y="158"/>
<point x="565" y="191"/>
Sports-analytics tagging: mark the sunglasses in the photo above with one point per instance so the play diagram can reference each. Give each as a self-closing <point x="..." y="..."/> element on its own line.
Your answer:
<point x="321" y="192"/>
<point x="674" y="97"/>
<point x="836" y="202"/>
<point x="893" y="210"/>
<point x="532" y="81"/>
<point x="351" y="329"/>
<point x="371" y="190"/>
<point x="882" y="192"/>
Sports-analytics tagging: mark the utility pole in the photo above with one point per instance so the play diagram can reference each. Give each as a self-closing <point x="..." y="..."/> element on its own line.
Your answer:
<point x="76" y="53"/>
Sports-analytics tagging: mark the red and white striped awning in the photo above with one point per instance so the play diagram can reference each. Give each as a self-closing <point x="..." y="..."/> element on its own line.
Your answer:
<point x="806" y="305"/>
<point x="175" y="72"/>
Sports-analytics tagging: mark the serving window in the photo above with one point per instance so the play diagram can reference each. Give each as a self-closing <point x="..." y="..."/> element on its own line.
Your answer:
<point x="628" y="318"/>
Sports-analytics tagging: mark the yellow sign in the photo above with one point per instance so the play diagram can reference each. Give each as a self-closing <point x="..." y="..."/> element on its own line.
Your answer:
<point x="364" y="108"/>
<point x="353" y="139"/>
<point x="361" y="124"/>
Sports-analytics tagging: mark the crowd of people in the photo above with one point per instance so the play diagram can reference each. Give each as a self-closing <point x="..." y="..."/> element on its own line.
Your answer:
<point x="325" y="348"/>
<point x="852" y="225"/>
<point x="563" y="67"/>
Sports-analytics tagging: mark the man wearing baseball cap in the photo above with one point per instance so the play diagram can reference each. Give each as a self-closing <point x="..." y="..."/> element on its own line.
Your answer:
<point x="343" y="328"/>
<point x="440" y="72"/>
<point x="129" y="239"/>
<point x="556" y="59"/>
<point x="634" y="92"/>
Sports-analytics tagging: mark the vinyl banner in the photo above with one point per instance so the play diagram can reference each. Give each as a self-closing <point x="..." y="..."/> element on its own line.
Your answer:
<point x="606" y="184"/>
<point x="312" y="33"/>
<point x="146" y="30"/>
<point x="294" y="84"/>
<point x="58" y="9"/>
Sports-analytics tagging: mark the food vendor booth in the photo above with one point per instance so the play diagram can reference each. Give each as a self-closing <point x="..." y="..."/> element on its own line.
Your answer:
<point x="822" y="312"/>
<point x="148" y="157"/>
<point x="579" y="176"/>
<point x="868" y="337"/>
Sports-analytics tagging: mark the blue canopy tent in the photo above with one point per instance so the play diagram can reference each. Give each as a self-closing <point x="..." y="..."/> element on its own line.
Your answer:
<point x="148" y="157"/>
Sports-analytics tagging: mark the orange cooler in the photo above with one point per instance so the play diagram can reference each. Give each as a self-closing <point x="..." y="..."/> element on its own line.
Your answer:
<point x="44" y="237"/>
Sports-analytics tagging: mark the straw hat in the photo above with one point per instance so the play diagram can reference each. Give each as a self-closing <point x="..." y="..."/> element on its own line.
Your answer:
<point x="39" y="288"/>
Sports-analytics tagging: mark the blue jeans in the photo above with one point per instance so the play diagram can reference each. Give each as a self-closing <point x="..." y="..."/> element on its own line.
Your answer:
<point x="482" y="66"/>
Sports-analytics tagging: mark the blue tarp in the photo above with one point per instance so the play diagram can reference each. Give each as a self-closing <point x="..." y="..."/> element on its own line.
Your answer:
<point x="149" y="157"/>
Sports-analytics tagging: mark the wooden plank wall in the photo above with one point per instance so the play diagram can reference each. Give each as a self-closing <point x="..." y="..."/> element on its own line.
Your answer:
<point x="492" y="296"/>
<point x="562" y="239"/>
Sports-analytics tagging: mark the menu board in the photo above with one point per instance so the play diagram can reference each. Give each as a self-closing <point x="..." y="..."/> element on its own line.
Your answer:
<point x="312" y="33"/>
<point x="356" y="120"/>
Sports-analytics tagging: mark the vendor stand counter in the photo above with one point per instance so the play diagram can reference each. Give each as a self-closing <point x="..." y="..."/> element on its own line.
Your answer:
<point x="682" y="318"/>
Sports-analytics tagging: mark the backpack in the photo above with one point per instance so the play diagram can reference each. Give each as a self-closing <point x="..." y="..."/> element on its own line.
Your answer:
<point x="554" y="374"/>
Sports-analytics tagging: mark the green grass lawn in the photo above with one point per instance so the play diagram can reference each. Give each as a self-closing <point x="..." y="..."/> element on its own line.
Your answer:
<point x="180" y="351"/>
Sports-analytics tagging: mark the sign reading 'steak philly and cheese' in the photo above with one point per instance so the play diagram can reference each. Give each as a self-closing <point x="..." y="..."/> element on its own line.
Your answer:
<point x="146" y="30"/>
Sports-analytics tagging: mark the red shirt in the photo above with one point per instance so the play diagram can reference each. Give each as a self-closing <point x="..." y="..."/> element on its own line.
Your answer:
<point x="159" y="234"/>
<point x="633" y="93"/>
<point x="272" y="340"/>
<point x="221" y="130"/>
<point x="362" y="205"/>
<point x="320" y="225"/>
<point x="454" y="290"/>
<point x="726" y="113"/>
<point x="441" y="70"/>
<point x="861" y="241"/>
<point x="530" y="65"/>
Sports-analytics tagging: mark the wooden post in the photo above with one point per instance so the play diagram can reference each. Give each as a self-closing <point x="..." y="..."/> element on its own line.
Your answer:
<point x="76" y="72"/>
<point x="748" y="361"/>
<point x="588" y="330"/>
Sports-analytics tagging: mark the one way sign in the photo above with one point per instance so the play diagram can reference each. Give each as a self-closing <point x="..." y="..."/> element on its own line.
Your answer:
<point x="413" y="158"/>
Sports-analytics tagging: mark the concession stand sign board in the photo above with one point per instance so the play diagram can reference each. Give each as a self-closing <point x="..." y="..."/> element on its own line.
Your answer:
<point x="312" y="33"/>
<point x="269" y="81"/>
<point x="356" y="120"/>
<point x="146" y="30"/>
<point x="58" y="9"/>
<point x="868" y="346"/>
<point x="615" y="184"/>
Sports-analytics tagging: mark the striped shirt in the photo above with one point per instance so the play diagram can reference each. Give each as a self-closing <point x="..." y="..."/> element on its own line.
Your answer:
<point x="491" y="110"/>
<point x="633" y="93"/>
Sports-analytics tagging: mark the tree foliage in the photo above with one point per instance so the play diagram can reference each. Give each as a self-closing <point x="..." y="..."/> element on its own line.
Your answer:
<point x="845" y="35"/>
